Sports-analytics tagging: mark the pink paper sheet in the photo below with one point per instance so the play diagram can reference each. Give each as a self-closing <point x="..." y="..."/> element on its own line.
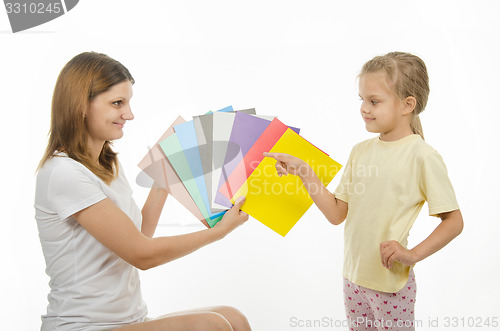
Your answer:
<point x="156" y="165"/>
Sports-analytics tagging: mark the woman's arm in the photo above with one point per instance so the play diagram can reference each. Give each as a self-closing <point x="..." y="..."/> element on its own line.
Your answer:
<point x="335" y="210"/>
<point x="152" y="210"/>
<point x="450" y="227"/>
<point x="115" y="230"/>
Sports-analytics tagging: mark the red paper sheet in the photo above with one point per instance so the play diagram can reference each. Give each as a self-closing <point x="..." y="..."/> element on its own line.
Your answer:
<point x="252" y="159"/>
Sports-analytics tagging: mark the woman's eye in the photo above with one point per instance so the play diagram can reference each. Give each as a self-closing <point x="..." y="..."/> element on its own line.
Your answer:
<point x="374" y="102"/>
<point x="117" y="103"/>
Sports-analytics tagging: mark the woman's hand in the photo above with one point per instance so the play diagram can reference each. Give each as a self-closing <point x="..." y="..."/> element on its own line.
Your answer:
<point x="233" y="218"/>
<point x="391" y="251"/>
<point x="288" y="164"/>
<point x="115" y="230"/>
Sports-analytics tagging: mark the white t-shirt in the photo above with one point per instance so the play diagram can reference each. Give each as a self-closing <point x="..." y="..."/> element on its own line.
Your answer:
<point x="91" y="287"/>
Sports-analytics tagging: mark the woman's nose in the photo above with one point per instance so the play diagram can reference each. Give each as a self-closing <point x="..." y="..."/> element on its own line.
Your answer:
<point x="127" y="115"/>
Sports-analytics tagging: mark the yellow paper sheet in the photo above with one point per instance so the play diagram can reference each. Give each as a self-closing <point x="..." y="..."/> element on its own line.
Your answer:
<point x="279" y="202"/>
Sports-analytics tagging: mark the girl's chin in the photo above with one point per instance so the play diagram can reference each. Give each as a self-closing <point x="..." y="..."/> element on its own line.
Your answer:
<point x="371" y="129"/>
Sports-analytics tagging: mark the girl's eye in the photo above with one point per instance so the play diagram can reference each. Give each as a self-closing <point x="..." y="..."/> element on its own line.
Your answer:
<point x="374" y="102"/>
<point x="117" y="103"/>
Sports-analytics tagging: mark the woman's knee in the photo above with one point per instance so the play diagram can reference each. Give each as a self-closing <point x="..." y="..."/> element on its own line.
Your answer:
<point x="198" y="321"/>
<point x="235" y="317"/>
<point x="213" y="321"/>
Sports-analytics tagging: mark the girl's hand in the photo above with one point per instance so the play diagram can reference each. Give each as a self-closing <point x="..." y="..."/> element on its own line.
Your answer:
<point x="288" y="164"/>
<point x="391" y="251"/>
<point x="233" y="218"/>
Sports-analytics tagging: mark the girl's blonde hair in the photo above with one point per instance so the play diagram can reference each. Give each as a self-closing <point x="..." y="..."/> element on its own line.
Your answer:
<point x="407" y="76"/>
<point x="82" y="79"/>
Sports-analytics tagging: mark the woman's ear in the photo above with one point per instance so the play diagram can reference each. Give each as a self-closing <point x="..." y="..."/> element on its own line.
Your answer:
<point x="86" y="110"/>
<point x="410" y="104"/>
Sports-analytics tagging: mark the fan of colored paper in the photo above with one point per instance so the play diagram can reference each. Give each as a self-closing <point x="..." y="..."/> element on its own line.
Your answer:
<point x="210" y="161"/>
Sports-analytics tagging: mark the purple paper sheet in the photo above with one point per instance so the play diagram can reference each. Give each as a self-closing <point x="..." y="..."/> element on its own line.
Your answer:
<point x="245" y="132"/>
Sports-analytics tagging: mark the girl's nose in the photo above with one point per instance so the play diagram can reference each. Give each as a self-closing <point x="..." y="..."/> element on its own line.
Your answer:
<point x="364" y="108"/>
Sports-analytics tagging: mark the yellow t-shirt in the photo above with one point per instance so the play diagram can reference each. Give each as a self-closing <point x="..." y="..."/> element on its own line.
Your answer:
<point x="385" y="185"/>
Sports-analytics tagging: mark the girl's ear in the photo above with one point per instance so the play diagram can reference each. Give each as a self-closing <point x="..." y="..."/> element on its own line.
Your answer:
<point x="410" y="103"/>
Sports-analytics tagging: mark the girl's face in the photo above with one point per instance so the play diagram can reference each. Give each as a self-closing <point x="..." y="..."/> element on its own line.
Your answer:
<point x="381" y="110"/>
<point x="108" y="113"/>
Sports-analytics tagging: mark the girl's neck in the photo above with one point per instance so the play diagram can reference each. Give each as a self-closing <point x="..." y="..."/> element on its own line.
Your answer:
<point x="396" y="134"/>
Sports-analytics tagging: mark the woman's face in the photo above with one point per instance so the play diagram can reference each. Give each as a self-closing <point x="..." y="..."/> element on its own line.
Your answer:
<point x="108" y="113"/>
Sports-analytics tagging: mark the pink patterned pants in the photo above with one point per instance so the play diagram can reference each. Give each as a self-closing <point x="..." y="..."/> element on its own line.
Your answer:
<point x="368" y="309"/>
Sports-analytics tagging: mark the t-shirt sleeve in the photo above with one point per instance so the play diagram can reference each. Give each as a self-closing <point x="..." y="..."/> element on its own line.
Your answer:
<point x="436" y="186"/>
<point x="344" y="187"/>
<point x="70" y="190"/>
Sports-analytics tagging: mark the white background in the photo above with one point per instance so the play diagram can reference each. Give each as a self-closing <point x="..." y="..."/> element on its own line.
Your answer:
<point x="294" y="59"/>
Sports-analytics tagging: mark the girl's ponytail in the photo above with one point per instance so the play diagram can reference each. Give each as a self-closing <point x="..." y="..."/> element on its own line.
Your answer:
<point x="416" y="125"/>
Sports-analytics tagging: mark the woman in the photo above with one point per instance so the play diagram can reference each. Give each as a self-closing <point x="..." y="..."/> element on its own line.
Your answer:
<point x="93" y="235"/>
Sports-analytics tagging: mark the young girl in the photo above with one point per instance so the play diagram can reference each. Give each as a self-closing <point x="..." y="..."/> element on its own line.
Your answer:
<point x="93" y="235"/>
<point x="385" y="183"/>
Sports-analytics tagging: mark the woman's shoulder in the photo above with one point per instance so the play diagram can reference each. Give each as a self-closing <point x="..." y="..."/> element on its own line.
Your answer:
<point x="64" y="167"/>
<point x="59" y="162"/>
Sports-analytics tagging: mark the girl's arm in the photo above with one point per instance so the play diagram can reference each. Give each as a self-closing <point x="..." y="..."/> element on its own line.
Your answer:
<point x="335" y="210"/>
<point x="115" y="230"/>
<point x="449" y="228"/>
<point x="152" y="210"/>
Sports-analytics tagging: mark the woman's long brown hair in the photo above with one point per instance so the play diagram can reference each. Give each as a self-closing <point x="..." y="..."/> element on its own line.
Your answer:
<point x="82" y="79"/>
